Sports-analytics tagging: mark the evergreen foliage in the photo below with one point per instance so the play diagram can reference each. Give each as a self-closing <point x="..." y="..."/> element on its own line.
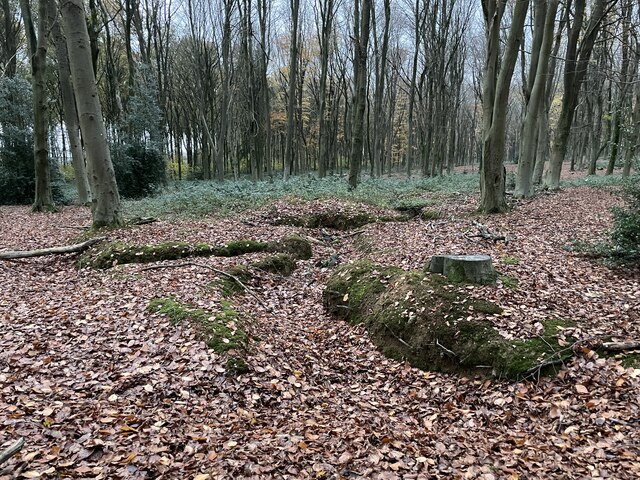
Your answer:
<point x="625" y="235"/>
<point x="137" y="160"/>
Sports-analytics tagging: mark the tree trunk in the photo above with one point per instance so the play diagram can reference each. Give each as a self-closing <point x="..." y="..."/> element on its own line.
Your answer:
<point x="362" y="28"/>
<point x="495" y="96"/>
<point x="106" y="199"/>
<point x="289" y="154"/>
<point x="70" y="111"/>
<point x="38" y="52"/>
<point x="524" y="184"/>
<point x="576" y="63"/>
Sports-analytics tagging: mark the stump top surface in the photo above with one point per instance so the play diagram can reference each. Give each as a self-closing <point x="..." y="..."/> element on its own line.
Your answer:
<point x="470" y="258"/>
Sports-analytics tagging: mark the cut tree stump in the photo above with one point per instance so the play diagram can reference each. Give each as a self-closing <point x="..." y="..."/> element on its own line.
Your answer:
<point x="77" y="248"/>
<point x="464" y="268"/>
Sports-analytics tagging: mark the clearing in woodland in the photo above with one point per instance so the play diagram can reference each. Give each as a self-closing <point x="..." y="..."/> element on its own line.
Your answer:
<point x="174" y="369"/>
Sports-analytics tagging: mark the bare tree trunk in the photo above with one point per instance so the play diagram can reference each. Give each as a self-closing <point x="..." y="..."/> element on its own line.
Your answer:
<point x="380" y="70"/>
<point x="495" y="95"/>
<point x="70" y="112"/>
<point x="327" y="12"/>
<point x="362" y="28"/>
<point x="9" y="39"/>
<point x="289" y="155"/>
<point x="106" y="199"/>
<point x="576" y="63"/>
<point x="38" y="52"/>
<point x="524" y="184"/>
<point x="622" y="106"/>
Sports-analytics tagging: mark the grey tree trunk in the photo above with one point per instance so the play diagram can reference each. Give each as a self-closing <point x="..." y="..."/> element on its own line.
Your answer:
<point x="105" y="204"/>
<point x="70" y="111"/>
<point x="290" y="151"/>
<point x="362" y="28"/>
<point x="524" y="178"/>
<point x="378" y="112"/>
<point x="574" y="73"/>
<point x="38" y="52"/>
<point x="8" y="39"/>
<point x="327" y="12"/>
<point x="495" y="96"/>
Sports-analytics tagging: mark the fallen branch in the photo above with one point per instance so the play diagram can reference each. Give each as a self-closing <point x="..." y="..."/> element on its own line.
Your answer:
<point x="9" y="452"/>
<point x="78" y="247"/>
<point x="485" y="234"/>
<point x="620" y="346"/>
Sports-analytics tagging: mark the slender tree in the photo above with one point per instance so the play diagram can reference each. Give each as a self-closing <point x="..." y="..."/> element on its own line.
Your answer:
<point x="106" y="208"/>
<point x="495" y="96"/>
<point x="361" y="31"/>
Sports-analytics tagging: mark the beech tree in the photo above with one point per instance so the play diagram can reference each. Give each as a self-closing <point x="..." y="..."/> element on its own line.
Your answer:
<point x="37" y="44"/>
<point x="106" y="199"/>
<point x="361" y="31"/>
<point x="578" y="53"/>
<point x="496" y="83"/>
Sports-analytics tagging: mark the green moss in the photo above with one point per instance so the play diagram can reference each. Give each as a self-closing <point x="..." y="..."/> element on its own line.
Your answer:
<point x="411" y="207"/>
<point x="221" y="331"/>
<point x="117" y="253"/>
<point x="509" y="282"/>
<point x="280" y="263"/>
<point x="293" y="245"/>
<point x="237" y="366"/>
<point x="430" y="214"/>
<point x="432" y="323"/>
<point x="351" y="284"/>
<point x="630" y="360"/>
<point x="240" y="247"/>
<point x="510" y="260"/>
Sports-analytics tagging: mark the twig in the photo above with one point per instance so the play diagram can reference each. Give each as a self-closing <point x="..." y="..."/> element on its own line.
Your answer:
<point x="450" y="352"/>
<point x="484" y="233"/>
<point x="397" y="337"/>
<point x="219" y="272"/>
<point x="9" y="452"/>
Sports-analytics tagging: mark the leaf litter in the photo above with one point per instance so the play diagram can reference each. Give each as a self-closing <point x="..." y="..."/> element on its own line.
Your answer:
<point x="101" y="388"/>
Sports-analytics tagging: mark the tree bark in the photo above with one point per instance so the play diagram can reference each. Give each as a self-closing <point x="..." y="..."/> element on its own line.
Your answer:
<point x="576" y="64"/>
<point x="290" y="151"/>
<point x="362" y="28"/>
<point x="524" y="184"/>
<point x="495" y="96"/>
<point x="106" y="208"/>
<point x="70" y="111"/>
<point x="38" y="52"/>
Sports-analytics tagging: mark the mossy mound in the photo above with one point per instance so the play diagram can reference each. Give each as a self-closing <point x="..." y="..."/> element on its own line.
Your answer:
<point x="280" y="263"/>
<point x="422" y="318"/>
<point x="110" y="254"/>
<point x="335" y="220"/>
<point x="416" y="207"/>
<point x="221" y="331"/>
<point x="293" y="245"/>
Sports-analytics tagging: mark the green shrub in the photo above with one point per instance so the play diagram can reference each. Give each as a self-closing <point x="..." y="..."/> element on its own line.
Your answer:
<point x="140" y="170"/>
<point x="625" y="235"/>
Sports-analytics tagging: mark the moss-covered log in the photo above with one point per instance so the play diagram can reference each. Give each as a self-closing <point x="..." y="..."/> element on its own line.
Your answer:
<point x="111" y="254"/>
<point x="422" y="318"/>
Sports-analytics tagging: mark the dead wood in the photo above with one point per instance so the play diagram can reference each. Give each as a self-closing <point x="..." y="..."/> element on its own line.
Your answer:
<point x="77" y="248"/>
<point x="486" y="234"/>
<point x="10" y="451"/>
<point x="620" y="346"/>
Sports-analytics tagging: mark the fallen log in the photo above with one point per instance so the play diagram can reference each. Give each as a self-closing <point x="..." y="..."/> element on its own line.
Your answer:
<point x="10" y="451"/>
<point x="620" y="346"/>
<point x="485" y="234"/>
<point x="77" y="248"/>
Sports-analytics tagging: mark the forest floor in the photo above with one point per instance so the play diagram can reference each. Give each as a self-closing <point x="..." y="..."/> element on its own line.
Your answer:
<point x="101" y="388"/>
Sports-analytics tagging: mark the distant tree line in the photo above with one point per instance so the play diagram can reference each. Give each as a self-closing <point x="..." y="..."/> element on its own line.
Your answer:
<point x="216" y="89"/>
